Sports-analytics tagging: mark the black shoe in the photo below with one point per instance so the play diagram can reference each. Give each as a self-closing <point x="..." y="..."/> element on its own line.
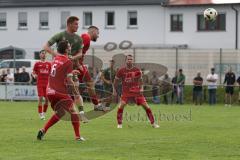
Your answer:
<point x="40" y="134"/>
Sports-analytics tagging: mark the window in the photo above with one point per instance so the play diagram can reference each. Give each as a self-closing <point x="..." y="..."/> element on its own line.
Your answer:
<point x="64" y="16"/>
<point x="22" y="20"/>
<point x="87" y="19"/>
<point x="218" y="25"/>
<point x="132" y="19"/>
<point x="3" y="20"/>
<point x="176" y="22"/>
<point x="43" y="16"/>
<point x="110" y="19"/>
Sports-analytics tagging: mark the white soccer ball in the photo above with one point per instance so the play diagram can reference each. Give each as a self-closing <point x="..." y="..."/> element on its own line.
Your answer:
<point x="210" y="14"/>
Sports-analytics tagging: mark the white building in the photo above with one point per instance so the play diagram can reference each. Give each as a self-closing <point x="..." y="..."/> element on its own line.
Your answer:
<point x="29" y="24"/>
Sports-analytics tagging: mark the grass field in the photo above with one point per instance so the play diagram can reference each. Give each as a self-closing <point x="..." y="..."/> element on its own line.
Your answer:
<point x="186" y="132"/>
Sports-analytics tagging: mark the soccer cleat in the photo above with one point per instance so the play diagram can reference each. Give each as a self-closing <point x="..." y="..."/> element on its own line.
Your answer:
<point x="105" y="109"/>
<point x="119" y="126"/>
<point x="42" y="117"/>
<point x="80" y="139"/>
<point x="99" y="107"/>
<point x="83" y="118"/>
<point x="40" y="134"/>
<point x="154" y="125"/>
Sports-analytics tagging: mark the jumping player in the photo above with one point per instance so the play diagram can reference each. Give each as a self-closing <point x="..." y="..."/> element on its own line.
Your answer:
<point x="91" y="35"/>
<point x="131" y="79"/>
<point x="60" y="81"/>
<point x="76" y="49"/>
<point x="41" y="72"/>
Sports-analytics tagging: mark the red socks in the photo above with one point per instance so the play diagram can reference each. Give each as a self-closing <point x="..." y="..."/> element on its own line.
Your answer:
<point x="94" y="99"/>
<point x="119" y="115"/>
<point x="76" y="125"/>
<point x="54" y="119"/>
<point x="40" y="109"/>
<point x="150" y="115"/>
<point x="45" y="107"/>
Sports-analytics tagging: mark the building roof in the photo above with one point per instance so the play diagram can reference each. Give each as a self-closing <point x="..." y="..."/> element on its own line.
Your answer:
<point x="48" y="3"/>
<point x="201" y="2"/>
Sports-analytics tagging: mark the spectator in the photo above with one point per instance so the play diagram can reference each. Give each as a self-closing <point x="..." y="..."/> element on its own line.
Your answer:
<point x="108" y="78"/>
<point x="98" y="82"/>
<point x="25" y="77"/>
<point x="212" y="86"/>
<point x="174" y="88"/>
<point x="33" y="80"/>
<point x="229" y="80"/>
<point x="144" y="79"/>
<point x="17" y="76"/>
<point x="180" y="86"/>
<point x="3" y="76"/>
<point x="10" y="77"/>
<point x="155" y="86"/>
<point x="197" y="89"/>
<point x="238" y="81"/>
<point x="166" y="87"/>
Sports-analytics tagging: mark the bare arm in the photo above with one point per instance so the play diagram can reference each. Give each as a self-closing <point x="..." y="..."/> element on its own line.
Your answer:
<point x="115" y="85"/>
<point x="48" y="49"/>
<point x="72" y="86"/>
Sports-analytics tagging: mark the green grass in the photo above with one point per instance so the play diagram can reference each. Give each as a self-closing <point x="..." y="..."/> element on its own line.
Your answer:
<point x="186" y="132"/>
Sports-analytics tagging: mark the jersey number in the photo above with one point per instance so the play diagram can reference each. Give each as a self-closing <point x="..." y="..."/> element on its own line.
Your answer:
<point x="53" y="70"/>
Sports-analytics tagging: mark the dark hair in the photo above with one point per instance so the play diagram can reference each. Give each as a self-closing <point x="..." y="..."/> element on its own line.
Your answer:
<point x="180" y="70"/>
<point x="93" y="27"/>
<point x="42" y="51"/>
<point x="62" y="46"/>
<point x="71" y="19"/>
<point x="129" y="55"/>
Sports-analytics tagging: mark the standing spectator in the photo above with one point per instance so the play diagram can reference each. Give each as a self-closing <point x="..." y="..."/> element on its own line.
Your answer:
<point x="10" y="77"/>
<point x="180" y="86"/>
<point x="3" y="76"/>
<point x="166" y="87"/>
<point x="25" y="77"/>
<point x="238" y="81"/>
<point x="108" y="78"/>
<point x="197" y="89"/>
<point x="98" y="83"/>
<point x="174" y="88"/>
<point x="145" y="79"/>
<point x="229" y="80"/>
<point x="17" y="76"/>
<point x="155" y="86"/>
<point x="212" y="86"/>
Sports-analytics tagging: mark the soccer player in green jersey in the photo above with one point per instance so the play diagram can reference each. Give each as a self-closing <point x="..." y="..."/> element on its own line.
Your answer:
<point x="76" y="48"/>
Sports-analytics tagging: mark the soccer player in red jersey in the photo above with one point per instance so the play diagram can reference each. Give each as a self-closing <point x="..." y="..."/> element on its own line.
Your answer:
<point x="131" y="79"/>
<point x="91" y="35"/>
<point x="41" y="72"/>
<point x="60" y="82"/>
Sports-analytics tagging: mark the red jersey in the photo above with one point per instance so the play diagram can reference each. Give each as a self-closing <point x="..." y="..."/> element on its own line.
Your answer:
<point x="42" y="69"/>
<point x="130" y="81"/>
<point x="86" y="44"/>
<point x="61" y="68"/>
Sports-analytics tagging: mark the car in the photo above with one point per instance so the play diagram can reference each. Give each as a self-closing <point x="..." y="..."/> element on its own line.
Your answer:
<point x="18" y="63"/>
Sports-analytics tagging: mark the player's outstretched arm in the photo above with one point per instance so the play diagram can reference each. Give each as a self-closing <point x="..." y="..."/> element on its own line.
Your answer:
<point x="48" y="49"/>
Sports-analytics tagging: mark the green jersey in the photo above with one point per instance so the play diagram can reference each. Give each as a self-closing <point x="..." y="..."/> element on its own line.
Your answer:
<point x="74" y="40"/>
<point x="109" y="74"/>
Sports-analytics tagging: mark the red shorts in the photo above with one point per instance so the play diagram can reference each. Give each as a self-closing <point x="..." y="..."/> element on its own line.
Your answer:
<point x="60" y="101"/>
<point x="41" y="91"/>
<point x="84" y="74"/>
<point x="139" y="100"/>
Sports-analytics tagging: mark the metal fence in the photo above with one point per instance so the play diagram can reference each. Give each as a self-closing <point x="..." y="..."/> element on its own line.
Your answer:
<point x="190" y="60"/>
